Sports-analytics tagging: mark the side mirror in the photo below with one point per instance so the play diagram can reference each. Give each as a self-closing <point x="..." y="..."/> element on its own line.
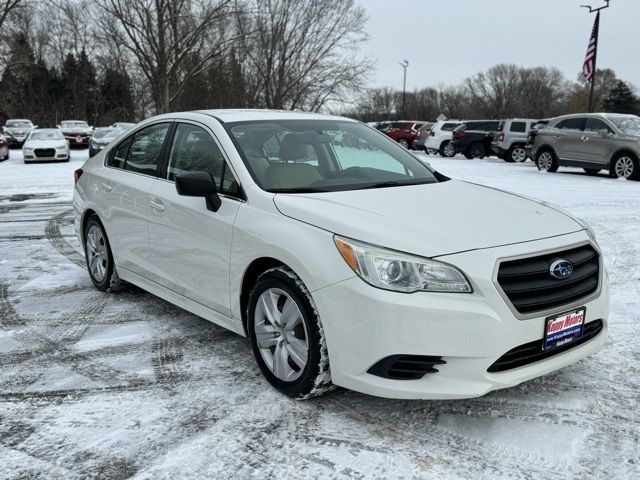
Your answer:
<point x="199" y="184"/>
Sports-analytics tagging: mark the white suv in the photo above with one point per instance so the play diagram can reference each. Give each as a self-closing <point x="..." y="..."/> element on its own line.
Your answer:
<point x="439" y="139"/>
<point x="323" y="253"/>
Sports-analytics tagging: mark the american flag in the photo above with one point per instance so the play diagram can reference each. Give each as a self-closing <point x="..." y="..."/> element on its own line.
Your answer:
<point x="589" y="64"/>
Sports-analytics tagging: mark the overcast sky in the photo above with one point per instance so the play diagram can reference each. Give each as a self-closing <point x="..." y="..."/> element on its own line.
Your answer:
<point x="446" y="41"/>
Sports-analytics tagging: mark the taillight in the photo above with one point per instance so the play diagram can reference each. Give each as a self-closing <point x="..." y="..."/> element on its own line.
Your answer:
<point x="77" y="174"/>
<point x="501" y="137"/>
<point x="459" y="134"/>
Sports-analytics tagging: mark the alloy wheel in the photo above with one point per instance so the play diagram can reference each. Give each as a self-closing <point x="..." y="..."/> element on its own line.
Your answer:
<point x="281" y="334"/>
<point x="448" y="150"/>
<point x="624" y="167"/>
<point x="98" y="256"/>
<point x="545" y="160"/>
<point x="518" y="154"/>
<point x="404" y="143"/>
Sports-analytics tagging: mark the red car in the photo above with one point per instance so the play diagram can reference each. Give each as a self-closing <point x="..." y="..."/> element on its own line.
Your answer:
<point x="404" y="132"/>
<point x="77" y="132"/>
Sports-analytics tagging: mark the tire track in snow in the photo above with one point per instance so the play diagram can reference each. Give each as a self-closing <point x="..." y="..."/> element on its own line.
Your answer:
<point x="52" y="232"/>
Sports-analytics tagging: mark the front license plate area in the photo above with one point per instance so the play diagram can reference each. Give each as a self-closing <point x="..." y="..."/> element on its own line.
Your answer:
<point x="562" y="329"/>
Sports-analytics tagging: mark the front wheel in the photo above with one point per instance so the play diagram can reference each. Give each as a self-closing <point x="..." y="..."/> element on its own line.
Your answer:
<point x="404" y="142"/>
<point x="625" y="166"/>
<point x="547" y="161"/>
<point x="286" y="335"/>
<point x="431" y="151"/>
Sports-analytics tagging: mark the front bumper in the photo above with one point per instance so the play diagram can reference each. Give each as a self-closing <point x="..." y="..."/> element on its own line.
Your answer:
<point x="470" y="332"/>
<point x="81" y="140"/>
<point x="16" y="141"/>
<point x="59" y="156"/>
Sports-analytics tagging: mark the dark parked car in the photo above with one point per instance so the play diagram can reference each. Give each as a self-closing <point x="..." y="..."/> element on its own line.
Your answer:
<point x="101" y="138"/>
<point x="17" y="130"/>
<point x="404" y="132"/>
<point x="473" y="138"/>
<point x="4" y="148"/>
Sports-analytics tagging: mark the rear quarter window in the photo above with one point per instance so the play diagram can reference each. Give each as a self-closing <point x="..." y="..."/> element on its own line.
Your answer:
<point x="518" y="127"/>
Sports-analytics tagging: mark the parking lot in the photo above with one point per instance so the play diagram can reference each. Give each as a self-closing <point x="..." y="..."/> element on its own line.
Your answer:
<point x="122" y="385"/>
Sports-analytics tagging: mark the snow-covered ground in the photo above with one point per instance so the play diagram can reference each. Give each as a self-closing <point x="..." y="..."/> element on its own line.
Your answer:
<point x="126" y="385"/>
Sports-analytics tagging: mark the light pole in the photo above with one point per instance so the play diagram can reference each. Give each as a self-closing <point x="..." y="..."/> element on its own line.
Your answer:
<point x="404" y="64"/>
<point x="594" y="38"/>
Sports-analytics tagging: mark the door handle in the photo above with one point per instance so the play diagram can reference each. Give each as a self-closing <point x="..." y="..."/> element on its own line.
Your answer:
<point x="106" y="187"/>
<point x="157" y="206"/>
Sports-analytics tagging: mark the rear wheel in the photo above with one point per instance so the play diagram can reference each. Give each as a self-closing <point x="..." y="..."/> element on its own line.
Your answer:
<point x="97" y="250"/>
<point x="286" y="335"/>
<point x="516" y="154"/>
<point x="547" y="161"/>
<point x="446" y="149"/>
<point x="431" y="151"/>
<point x="592" y="171"/>
<point x="625" y="166"/>
<point x="404" y="142"/>
<point x="475" y="150"/>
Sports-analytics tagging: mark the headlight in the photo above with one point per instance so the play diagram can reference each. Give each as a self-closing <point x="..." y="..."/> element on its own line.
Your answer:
<point x="27" y="150"/>
<point x="400" y="272"/>
<point x="63" y="145"/>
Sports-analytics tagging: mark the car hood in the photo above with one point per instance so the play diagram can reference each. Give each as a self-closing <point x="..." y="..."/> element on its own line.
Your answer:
<point x="429" y="220"/>
<point x="45" y="143"/>
<point x="17" y="131"/>
<point x="76" y="131"/>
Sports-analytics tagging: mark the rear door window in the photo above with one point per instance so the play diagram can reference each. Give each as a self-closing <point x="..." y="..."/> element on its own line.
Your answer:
<point x="449" y="127"/>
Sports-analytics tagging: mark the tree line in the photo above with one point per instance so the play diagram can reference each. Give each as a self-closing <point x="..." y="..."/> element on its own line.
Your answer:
<point x="503" y="91"/>
<point x="120" y="60"/>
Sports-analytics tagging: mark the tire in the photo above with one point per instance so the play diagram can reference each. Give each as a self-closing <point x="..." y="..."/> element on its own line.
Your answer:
<point x="446" y="149"/>
<point x="625" y="165"/>
<point x="98" y="256"/>
<point x="592" y="171"/>
<point x="516" y="153"/>
<point x="475" y="150"/>
<point x="404" y="142"/>
<point x="431" y="151"/>
<point x="546" y="160"/>
<point x="293" y="375"/>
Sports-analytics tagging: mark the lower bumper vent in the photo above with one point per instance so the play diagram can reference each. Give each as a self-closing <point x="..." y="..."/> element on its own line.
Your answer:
<point x="532" y="352"/>
<point x="405" y="367"/>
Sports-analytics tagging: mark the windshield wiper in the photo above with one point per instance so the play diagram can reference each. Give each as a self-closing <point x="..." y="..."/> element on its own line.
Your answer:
<point x="392" y="183"/>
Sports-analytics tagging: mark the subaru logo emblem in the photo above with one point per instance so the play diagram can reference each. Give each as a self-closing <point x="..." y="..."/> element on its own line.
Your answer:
<point x="561" y="269"/>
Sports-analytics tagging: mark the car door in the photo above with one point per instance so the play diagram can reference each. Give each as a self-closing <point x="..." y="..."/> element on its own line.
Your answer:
<point x="597" y="146"/>
<point x="567" y="138"/>
<point x="124" y="191"/>
<point x="189" y="245"/>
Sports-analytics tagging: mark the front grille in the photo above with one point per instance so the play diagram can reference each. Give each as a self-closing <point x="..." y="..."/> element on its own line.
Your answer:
<point x="531" y="288"/>
<point x="532" y="352"/>
<point x="405" y="367"/>
<point x="45" y="152"/>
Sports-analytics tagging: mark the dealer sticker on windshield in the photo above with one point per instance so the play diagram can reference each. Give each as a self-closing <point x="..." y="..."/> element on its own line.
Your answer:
<point x="564" y="328"/>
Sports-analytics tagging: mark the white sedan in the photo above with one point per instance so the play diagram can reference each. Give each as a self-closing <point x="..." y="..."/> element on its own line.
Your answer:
<point x="46" y="145"/>
<point x="346" y="263"/>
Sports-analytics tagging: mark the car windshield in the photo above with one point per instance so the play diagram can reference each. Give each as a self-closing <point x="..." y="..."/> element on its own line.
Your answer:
<point x="300" y="156"/>
<point x="627" y="124"/>
<point x="106" y="133"/>
<point x="18" y="124"/>
<point x="47" y="135"/>
<point x="74" y="125"/>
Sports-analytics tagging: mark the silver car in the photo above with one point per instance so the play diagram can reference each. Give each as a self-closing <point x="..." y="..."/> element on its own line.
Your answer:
<point x="592" y="141"/>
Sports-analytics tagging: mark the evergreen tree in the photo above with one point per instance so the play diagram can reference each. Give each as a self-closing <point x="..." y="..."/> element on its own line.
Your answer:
<point x="620" y="99"/>
<point x="115" y="102"/>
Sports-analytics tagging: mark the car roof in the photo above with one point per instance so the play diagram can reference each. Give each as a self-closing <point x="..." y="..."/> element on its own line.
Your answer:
<point x="592" y="115"/>
<point x="79" y="121"/>
<point x="46" y="130"/>
<point x="248" y="114"/>
<point x="19" y="120"/>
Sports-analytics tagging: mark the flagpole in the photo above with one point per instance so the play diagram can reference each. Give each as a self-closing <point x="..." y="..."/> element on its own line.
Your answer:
<point x="595" y="67"/>
<point x="595" y="53"/>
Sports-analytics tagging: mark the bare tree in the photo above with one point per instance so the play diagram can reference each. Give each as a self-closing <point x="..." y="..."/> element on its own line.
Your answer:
<point x="6" y="8"/>
<point x="495" y="92"/>
<point x="170" y="40"/>
<point x="303" y="53"/>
